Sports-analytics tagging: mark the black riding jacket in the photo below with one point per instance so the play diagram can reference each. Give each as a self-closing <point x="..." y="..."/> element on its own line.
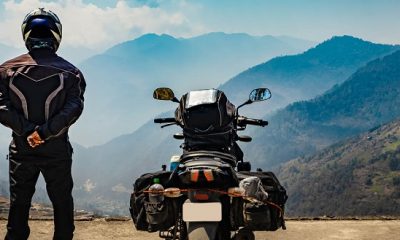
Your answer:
<point x="40" y="91"/>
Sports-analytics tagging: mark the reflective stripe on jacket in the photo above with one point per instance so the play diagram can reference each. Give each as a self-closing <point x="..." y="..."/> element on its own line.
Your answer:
<point x="42" y="91"/>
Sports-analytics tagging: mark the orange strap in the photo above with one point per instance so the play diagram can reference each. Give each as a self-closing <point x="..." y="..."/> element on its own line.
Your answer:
<point x="281" y="211"/>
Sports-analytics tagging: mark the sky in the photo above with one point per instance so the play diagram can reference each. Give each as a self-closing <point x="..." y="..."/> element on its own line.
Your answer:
<point x="100" y="24"/>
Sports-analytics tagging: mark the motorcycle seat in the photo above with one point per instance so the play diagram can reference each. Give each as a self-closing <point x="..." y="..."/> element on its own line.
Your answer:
<point x="208" y="157"/>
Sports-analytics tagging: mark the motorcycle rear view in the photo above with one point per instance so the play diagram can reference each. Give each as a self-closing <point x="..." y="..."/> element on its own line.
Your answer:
<point x="210" y="191"/>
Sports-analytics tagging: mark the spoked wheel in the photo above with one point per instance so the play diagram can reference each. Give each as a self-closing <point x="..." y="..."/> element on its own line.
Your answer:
<point x="244" y="234"/>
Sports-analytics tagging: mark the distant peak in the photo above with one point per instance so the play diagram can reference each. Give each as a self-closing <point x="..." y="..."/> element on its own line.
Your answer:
<point x="222" y="35"/>
<point x="225" y="34"/>
<point x="345" y="45"/>
<point x="153" y="36"/>
<point x="145" y="41"/>
<point x="345" y="39"/>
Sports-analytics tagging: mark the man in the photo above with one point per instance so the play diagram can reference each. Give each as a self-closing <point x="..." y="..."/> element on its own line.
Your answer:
<point x="41" y="96"/>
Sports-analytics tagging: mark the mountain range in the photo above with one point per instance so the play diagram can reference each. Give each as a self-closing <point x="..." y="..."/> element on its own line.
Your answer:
<point x="304" y="76"/>
<point x="362" y="92"/>
<point x="8" y="52"/>
<point x="73" y="54"/>
<point x="121" y="80"/>
<point x="370" y="97"/>
<point x="150" y="142"/>
<point x="359" y="176"/>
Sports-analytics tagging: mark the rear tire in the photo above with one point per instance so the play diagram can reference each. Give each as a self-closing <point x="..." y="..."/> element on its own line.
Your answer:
<point x="202" y="231"/>
<point x="244" y="234"/>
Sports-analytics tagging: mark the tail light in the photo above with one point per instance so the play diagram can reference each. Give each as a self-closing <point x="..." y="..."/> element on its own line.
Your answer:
<point x="194" y="175"/>
<point x="209" y="175"/>
<point x="197" y="174"/>
<point x="201" y="196"/>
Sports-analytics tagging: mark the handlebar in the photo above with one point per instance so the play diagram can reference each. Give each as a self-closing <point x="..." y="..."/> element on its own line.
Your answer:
<point x="164" y="120"/>
<point x="243" y="121"/>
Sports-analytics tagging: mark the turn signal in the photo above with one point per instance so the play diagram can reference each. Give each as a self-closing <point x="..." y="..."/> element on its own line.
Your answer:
<point x="236" y="192"/>
<point x="172" y="192"/>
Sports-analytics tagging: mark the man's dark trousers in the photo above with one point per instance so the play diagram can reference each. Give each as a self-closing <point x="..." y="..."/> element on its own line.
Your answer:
<point x="23" y="177"/>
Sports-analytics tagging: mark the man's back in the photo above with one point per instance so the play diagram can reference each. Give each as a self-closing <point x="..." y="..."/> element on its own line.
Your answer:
<point x="39" y="84"/>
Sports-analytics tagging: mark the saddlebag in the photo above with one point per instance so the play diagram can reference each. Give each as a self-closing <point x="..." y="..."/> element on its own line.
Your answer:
<point x="256" y="216"/>
<point x="160" y="216"/>
<point x="148" y="216"/>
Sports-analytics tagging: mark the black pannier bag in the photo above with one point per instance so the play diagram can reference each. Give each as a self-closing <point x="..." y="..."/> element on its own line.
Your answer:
<point x="207" y="120"/>
<point x="160" y="216"/>
<point x="148" y="216"/>
<point x="259" y="217"/>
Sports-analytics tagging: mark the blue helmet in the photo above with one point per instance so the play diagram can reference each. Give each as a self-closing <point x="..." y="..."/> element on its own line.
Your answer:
<point x="41" y="28"/>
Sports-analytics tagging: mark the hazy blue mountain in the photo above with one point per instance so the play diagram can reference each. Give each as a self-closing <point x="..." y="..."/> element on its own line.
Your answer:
<point x="360" y="176"/>
<point x="72" y="54"/>
<point x="4" y="188"/>
<point x="306" y="75"/>
<point x="122" y="79"/>
<point x="76" y="55"/>
<point x="296" y="42"/>
<point x="370" y="97"/>
<point x="104" y="174"/>
<point x="7" y="52"/>
<point x="5" y="139"/>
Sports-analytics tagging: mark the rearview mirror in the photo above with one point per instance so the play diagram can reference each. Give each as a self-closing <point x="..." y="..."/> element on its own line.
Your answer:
<point x="260" y="94"/>
<point x="163" y="94"/>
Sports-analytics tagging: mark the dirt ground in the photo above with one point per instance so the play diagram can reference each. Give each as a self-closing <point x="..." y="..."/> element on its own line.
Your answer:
<point x="296" y="230"/>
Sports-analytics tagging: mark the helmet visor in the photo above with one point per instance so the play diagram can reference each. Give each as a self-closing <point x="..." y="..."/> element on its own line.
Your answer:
<point x="41" y="27"/>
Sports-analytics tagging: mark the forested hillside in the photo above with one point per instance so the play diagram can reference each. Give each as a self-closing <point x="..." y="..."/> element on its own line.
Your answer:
<point x="360" y="176"/>
<point x="370" y="97"/>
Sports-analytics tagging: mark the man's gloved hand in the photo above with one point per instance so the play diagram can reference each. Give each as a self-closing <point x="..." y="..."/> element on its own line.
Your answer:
<point x="34" y="139"/>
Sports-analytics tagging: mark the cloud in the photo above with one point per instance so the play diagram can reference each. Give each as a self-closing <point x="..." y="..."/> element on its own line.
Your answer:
<point x="91" y="26"/>
<point x="150" y="3"/>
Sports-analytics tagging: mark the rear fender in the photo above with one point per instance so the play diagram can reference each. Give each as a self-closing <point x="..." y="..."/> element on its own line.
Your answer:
<point x="202" y="230"/>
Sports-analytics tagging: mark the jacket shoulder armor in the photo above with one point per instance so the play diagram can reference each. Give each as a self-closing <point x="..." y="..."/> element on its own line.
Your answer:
<point x="17" y="61"/>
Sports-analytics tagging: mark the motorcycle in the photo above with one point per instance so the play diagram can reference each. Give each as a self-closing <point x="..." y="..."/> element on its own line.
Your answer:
<point x="202" y="198"/>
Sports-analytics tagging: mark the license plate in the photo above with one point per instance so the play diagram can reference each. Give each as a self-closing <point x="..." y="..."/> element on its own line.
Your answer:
<point x="202" y="212"/>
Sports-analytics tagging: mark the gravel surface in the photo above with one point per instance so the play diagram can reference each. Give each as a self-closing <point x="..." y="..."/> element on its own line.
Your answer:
<point x="296" y="230"/>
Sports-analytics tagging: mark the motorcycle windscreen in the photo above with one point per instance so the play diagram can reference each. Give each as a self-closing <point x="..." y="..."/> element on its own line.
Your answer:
<point x="200" y="97"/>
